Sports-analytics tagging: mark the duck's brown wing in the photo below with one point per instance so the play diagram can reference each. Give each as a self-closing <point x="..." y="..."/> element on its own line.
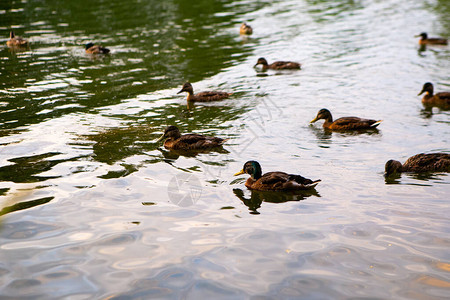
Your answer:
<point x="443" y="96"/>
<point x="354" y="123"/>
<point x="211" y="96"/>
<point x="197" y="141"/>
<point x="428" y="162"/>
<point x="437" y="41"/>
<point x="279" y="65"/>
<point x="96" y="49"/>
<point x="283" y="181"/>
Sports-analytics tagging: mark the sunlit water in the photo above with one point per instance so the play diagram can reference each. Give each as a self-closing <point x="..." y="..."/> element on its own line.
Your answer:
<point x="93" y="207"/>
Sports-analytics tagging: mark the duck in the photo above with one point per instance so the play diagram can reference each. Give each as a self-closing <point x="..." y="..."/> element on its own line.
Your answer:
<point x="344" y="123"/>
<point x="438" y="99"/>
<point x="425" y="40"/>
<point x="16" y="41"/>
<point x="278" y="65"/>
<point x="274" y="181"/>
<point x="191" y="141"/>
<point x="245" y="29"/>
<point x="202" y="96"/>
<point x="419" y="163"/>
<point x="91" y="48"/>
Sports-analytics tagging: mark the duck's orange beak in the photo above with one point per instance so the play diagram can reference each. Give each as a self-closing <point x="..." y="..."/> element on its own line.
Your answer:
<point x="314" y="120"/>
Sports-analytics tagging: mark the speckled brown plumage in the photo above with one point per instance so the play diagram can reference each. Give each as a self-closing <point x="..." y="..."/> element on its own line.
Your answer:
<point x="96" y="49"/>
<point x="16" y="41"/>
<point x="245" y="29"/>
<point x="441" y="99"/>
<point x="419" y="163"/>
<point x="425" y="40"/>
<point x="274" y="181"/>
<point x="206" y="96"/>
<point x="278" y="65"/>
<point x="344" y="123"/>
<point x="174" y="140"/>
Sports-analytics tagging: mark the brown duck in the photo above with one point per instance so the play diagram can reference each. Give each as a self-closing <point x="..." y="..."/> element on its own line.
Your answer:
<point x="274" y="181"/>
<point x="419" y="163"/>
<point x="425" y="40"/>
<point x="16" y="41"/>
<point x="91" y="48"/>
<point x="438" y="99"/>
<point x="245" y="29"/>
<point x="174" y="140"/>
<point x="344" y="123"/>
<point x="278" y="65"/>
<point x="202" y="96"/>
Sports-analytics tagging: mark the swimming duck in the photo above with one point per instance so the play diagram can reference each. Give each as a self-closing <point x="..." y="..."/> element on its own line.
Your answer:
<point x="203" y="96"/>
<point x="176" y="141"/>
<point x="274" y="181"/>
<point x="16" y="41"/>
<point x="438" y="99"/>
<point x="425" y="40"/>
<point x="278" y="65"/>
<point x="431" y="162"/>
<point x="344" y="123"/>
<point x="245" y="29"/>
<point x="91" y="48"/>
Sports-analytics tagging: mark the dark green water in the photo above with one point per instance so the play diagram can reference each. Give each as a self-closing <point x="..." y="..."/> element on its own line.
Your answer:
<point x="93" y="207"/>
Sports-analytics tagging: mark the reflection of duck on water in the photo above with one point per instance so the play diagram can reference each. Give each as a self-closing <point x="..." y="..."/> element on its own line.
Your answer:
<point x="258" y="197"/>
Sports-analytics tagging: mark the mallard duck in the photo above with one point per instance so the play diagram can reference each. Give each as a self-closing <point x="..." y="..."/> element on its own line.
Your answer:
<point x="425" y="40"/>
<point x="245" y="29"/>
<point x="16" y="41"/>
<point x="176" y="141"/>
<point x="278" y="65"/>
<point x="344" y="123"/>
<point x="438" y="99"/>
<point x="274" y="181"/>
<point x="202" y="96"/>
<point x="431" y="162"/>
<point x="91" y="48"/>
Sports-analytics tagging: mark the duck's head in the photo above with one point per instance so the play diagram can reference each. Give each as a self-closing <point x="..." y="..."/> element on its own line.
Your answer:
<point x="392" y="166"/>
<point x="323" y="114"/>
<point x="261" y="61"/>
<point x="88" y="45"/>
<point x="171" y="131"/>
<point x="187" y="87"/>
<point x="427" y="87"/>
<point x="423" y="35"/>
<point x="253" y="168"/>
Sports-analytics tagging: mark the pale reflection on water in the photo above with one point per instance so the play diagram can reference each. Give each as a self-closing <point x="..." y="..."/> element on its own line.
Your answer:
<point x="87" y="205"/>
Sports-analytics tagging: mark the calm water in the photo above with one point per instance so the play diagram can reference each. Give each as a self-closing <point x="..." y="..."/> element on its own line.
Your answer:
<point x="94" y="208"/>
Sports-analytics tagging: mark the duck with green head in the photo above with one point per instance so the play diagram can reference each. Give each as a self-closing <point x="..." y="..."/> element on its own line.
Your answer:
<point x="344" y="123"/>
<point x="206" y="96"/>
<point x="91" y="48"/>
<point x="274" y="181"/>
<point x="278" y="65"/>
<point x="191" y="141"/>
<point x="441" y="99"/>
<point x="425" y="40"/>
<point x="16" y="41"/>
<point x="420" y="163"/>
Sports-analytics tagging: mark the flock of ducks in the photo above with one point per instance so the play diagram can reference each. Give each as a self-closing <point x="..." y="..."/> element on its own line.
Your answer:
<point x="280" y="181"/>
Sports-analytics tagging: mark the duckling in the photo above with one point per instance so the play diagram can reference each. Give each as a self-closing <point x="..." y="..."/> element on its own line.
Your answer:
<point x="274" y="181"/>
<point x="91" y="48"/>
<point x="344" y="123"/>
<point x="245" y="29"/>
<point x="278" y="65"/>
<point x="425" y="40"/>
<point x="176" y="141"/>
<point x="438" y="99"/>
<point x="16" y="41"/>
<point x="203" y="96"/>
<point x="419" y="163"/>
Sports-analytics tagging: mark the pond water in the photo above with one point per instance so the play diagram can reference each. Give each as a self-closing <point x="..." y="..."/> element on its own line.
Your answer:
<point x="93" y="207"/>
